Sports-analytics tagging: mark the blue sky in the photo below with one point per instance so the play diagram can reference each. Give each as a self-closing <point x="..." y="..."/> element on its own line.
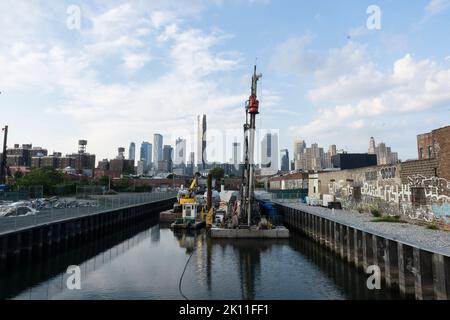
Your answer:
<point x="135" y="68"/>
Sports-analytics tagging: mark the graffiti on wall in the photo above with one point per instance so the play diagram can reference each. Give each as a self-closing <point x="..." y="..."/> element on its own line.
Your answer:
<point x="388" y="193"/>
<point x="422" y="198"/>
<point x="436" y="189"/>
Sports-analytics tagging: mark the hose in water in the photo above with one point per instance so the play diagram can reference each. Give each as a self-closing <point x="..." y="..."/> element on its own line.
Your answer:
<point x="182" y="275"/>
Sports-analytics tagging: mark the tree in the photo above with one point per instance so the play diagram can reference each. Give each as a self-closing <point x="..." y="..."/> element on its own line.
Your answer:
<point x="104" y="181"/>
<point x="217" y="173"/>
<point x="18" y="175"/>
<point x="48" y="178"/>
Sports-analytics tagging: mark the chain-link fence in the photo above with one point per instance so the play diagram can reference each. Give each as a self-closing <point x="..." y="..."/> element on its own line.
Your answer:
<point x="28" y="213"/>
<point x="84" y="192"/>
<point x="22" y="193"/>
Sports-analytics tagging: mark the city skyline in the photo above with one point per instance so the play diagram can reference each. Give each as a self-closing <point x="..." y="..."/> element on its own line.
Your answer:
<point x="147" y="152"/>
<point x="325" y="76"/>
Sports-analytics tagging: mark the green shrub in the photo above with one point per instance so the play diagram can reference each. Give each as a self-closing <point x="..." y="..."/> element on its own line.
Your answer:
<point x="432" y="226"/>
<point x="375" y="212"/>
<point x="390" y="219"/>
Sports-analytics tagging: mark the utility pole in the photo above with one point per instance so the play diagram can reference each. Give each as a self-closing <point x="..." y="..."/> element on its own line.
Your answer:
<point x="3" y="160"/>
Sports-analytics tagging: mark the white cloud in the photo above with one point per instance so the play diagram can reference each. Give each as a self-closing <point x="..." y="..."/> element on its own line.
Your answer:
<point x="294" y="57"/>
<point x="412" y="85"/>
<point x="358" y="31"/>
<point x="342" y="61"/>
<point x="104" y="85"/>
<point x="133" y="61"/>
<point x="162" y="18"/>
<point x="359" y="95"/>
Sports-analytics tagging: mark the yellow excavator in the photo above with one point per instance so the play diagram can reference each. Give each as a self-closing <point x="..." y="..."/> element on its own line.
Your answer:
<point x="189" y="196"/>
<point x="186" y="196"/>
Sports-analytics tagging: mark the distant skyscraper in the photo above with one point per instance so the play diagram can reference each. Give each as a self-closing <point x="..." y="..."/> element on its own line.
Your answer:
<point x="236" y="159"/>
<point x="167" y="153"/>
<point x="168" y="157"/>
<point x="332" y="150"/>
<point x="191" y="164"/>
<point x="180" y="152"/>
<point x="201" y="141"/>
<point x="299" y="148"/>
<point x="269" y="155"/>
<point x="146" y="153"/>
<point x="132" y="151"/>
<point x="313" y="158"/>
<point x="385" y="156"/>
<point x="157" y="148"/>
<point x="372" y="145"/>
<point x="285" y="163"/>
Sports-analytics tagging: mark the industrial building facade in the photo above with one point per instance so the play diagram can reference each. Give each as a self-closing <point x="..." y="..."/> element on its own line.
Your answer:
<point x="417" y="190"/>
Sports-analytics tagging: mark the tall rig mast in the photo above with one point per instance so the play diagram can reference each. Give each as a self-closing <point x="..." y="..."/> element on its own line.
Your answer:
<point x="251" y="109"/>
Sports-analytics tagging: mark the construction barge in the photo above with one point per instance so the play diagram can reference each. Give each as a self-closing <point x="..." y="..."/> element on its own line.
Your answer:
<point x="190" y="219"/>
<point x="243" y="216"/>
<point x="232" y="214"/>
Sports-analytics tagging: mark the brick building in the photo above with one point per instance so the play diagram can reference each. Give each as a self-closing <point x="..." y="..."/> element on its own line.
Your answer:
<point x="417" y="190"/>
<point x="21" y="156"/>
<point x="436" y="145"/>
<point x="55" y="161"/>
<point x="293" y="181"/>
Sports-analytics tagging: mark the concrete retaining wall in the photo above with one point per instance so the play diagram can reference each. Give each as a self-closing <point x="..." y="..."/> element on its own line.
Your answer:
<point x="413" y="271"/>
<point x="38" y="241"/>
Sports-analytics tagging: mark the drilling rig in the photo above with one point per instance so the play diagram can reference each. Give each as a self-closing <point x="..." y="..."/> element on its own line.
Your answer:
<point x="243" y="218"/>
<point x="247" y="208"/>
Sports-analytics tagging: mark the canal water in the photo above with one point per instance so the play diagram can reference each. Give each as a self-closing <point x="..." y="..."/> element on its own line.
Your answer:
<point x="147" y="261"/>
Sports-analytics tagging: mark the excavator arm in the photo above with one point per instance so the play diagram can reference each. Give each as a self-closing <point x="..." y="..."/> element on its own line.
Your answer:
<point x="189" y="197"/>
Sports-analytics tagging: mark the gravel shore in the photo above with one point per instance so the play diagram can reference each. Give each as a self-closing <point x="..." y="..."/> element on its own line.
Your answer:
<point x="417" y="236"/>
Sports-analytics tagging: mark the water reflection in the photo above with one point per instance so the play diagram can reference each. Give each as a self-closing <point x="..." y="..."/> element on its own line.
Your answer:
<point x="146" y="261"/>
<point x="22" y="278"/>
<point x="351" y="281"/>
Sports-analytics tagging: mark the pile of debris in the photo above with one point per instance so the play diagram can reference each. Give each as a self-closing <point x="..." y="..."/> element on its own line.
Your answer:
<point x="32" y="207"/>
<point x="56" y="203"/>
<point x="13" y="209"/>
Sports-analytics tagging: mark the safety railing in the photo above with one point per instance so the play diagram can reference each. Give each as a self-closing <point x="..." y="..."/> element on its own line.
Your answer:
<point x="294" y="197"/>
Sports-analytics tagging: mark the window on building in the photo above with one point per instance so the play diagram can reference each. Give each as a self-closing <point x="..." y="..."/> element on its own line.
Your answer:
<point x="420" y="153"/>
<point x="430" y="152"/>
<point x="357" y="194"/>
<point x="418" y="196"/>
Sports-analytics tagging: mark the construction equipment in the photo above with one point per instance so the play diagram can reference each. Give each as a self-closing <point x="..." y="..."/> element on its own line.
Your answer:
<point x="189" y="196"/>
<point x="186" y="196"/>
